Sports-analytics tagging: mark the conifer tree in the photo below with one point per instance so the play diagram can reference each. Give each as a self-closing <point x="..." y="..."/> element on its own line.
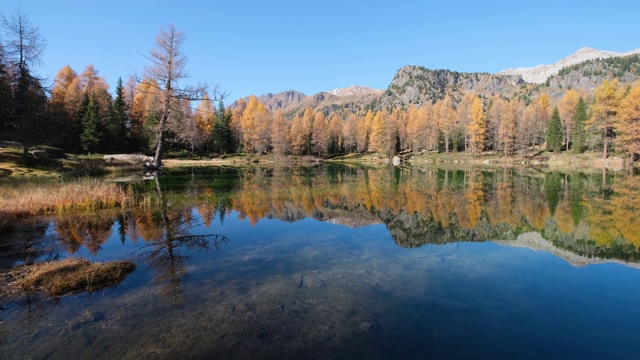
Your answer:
<point x="221" y="136"/>
<point x="91" y="132"/>
<point x="578" y="135"/>
<point x="118" y="119"/>
<point x="554" y="133"/>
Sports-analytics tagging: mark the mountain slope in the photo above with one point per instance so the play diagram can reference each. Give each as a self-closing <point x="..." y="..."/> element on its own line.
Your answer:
<point x="539" y="74"/>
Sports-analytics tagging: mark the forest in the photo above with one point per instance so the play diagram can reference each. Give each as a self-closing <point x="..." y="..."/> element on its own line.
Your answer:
<point x="78" y="114"/>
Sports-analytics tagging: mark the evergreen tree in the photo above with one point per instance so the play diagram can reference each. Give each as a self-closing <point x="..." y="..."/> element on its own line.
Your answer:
<point x="578" y="136"/>
<point x="91" y="132"/>
<point x="118" y="119"/>
<point x="221" y="133"/>
<point x="554" y="133"/>
<point x="6" y="96"/>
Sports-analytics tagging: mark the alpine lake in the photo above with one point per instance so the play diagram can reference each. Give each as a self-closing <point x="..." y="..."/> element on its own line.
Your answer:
<point x="344" y="262"/>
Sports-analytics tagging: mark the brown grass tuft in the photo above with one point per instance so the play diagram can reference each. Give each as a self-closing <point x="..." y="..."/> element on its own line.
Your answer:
<point x="58" y="278"/>
<point x="21" y="199"/>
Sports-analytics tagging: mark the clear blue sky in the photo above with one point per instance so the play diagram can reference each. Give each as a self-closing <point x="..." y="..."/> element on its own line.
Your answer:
<point x="256" y="47"/>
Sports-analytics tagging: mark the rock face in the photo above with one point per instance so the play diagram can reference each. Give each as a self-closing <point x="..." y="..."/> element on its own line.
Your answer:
<point x="539" y="74"/>
<point x="416" y="85"/>
<point x="419" y="86"/>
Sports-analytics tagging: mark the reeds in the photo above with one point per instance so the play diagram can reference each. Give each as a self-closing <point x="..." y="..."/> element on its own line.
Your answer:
<point x="28" y="198"/>
<point x="58" y="278"/>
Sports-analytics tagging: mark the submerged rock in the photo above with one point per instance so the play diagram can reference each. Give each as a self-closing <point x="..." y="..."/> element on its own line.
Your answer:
<point x="365" y="326"/>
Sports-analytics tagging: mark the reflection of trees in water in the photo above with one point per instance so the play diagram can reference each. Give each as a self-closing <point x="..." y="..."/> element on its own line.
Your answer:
<point x="88" y="230"/>
<point x="439" y="205"/>
<point x="168" y="248"/>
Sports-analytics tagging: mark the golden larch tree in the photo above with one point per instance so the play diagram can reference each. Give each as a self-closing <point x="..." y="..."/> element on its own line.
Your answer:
<point x="567" y="108"/>
<point x="628" y="123"/>
<point x="476" y="129"/>
<point x="605" y="108"/>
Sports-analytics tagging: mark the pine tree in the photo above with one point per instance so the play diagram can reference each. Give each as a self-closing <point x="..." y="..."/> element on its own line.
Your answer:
<point x="579" y="118"/>
<point x="221" y="135"/>
<point x="554" y="133"/>
<point x="118" y="119"/>
<point x="91" y="132"/>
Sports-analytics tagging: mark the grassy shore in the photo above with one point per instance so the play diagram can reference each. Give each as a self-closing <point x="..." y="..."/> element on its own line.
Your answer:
<point x="20" y="198"/>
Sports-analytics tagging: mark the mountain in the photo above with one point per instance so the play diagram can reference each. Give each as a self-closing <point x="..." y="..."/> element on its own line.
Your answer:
<point x="419" y="86"/>
<point x="355" y="90"/>
<point x="416" y="85"/>
<point x="539" y="74"/>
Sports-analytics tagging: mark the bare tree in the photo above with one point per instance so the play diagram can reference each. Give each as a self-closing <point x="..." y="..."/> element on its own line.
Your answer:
<point x="24" y="47"/>
<point x="168" y="70"/>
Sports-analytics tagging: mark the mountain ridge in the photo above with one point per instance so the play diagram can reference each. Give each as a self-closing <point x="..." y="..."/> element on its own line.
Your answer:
<point x="540" y="73"/>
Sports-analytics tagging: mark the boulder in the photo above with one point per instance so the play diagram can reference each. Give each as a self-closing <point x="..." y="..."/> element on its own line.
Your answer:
<point x="40" y="154"/>
<point x="128" y="158"/>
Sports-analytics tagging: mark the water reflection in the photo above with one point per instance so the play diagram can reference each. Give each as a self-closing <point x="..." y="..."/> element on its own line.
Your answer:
<point x="292" y="284"/>
<point x="591" y="215"/>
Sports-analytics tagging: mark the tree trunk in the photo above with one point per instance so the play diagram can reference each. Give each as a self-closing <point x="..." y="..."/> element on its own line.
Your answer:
<point x="157" y="160"/>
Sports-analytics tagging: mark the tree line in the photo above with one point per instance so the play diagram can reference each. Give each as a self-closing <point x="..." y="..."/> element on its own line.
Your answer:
<point x="78" y="114"/>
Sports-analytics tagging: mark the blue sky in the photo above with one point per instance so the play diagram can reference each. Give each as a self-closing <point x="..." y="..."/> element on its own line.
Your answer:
<point x="256" y="47"/>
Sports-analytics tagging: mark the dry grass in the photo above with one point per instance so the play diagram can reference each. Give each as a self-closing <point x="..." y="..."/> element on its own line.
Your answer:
<point x="26" y="198"/>
<point x="58" y="278"/>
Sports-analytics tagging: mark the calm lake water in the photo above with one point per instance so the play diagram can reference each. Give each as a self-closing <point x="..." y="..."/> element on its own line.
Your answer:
<point x="337" y="262"/>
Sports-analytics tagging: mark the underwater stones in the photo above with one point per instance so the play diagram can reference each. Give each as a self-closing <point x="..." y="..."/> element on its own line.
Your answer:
<point x="366" y="326"/>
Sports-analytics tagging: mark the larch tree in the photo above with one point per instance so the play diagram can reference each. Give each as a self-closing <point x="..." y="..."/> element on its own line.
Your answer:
<point x="23" y="49"/>
<point x="463" y="119"/>
<point x="378" y="133"/>
<point x="508" y="128"/>
<point x="279" y="134"/>
<point x="628" y="123"/>
<point x="554" y="132"/>
<point x="320" y="134"/>
<point x="349" y="133"/>
<point x="256" y="123"/>
<point x="605" y="108"/>
<point x="567" y="108"/>
<point x="363" y="132"/>
<point x="495" y="113"/>
<point x="477" y="128"/>
<point x="335" y="135"/>
<point x="413" y="128"/>
<point x="168" y="69"/>
<point x="447" y="120"/>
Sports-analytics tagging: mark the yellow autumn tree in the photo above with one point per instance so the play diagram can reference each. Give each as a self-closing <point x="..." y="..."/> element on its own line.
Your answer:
<point x="205" y="115"/>
<point x="378" y="133"/>
<point x="320" y="134"/>
<point x="628" y="123"/>
<point x="463" y="118"/>
<point x="363" y="132"/>
<point x="279" y="134"/>
<point x="508" y="128"/>
<point x="567" y="108"/>
<point x="446" y="120"/>
<point x="605" y="111"/>
<point x="349" y="133"/>
<point x="476" y="128"/>
<point x="256" y="123"/>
